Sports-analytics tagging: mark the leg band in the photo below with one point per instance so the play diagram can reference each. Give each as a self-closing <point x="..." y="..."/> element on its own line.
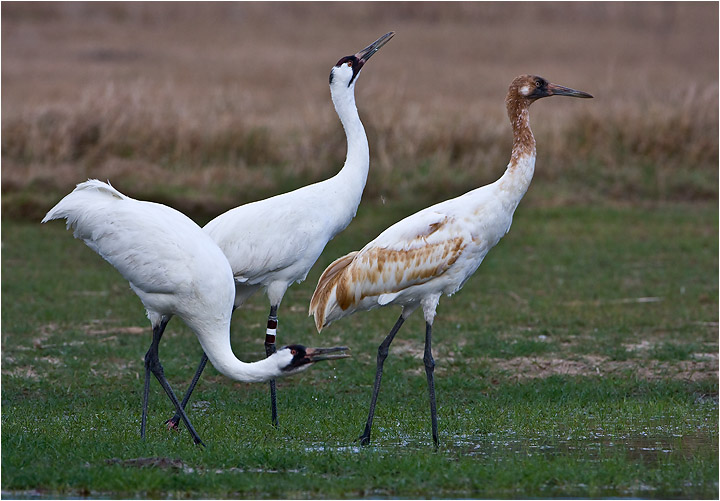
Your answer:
<point x="271" y="330"/>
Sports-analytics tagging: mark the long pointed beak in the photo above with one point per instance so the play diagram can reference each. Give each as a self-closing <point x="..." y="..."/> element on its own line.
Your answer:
<point x="559" y="90"/>
<point x="319" y="354"/>
<point x="371" y="49"/>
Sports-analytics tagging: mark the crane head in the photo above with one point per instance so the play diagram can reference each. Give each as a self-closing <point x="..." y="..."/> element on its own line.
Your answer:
<point x="297" y="358"/>
<point x="532" y="88"/>
<point x="348" y="67"/>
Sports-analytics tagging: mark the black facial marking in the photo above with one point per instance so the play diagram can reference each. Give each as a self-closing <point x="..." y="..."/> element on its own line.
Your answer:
<point x="356" y="65"/>
<point x="540" y="88"/>
<point x="346" y="59"/>
<point x="299" y="356"/>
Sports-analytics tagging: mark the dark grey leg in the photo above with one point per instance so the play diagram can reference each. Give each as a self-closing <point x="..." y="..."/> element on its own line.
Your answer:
<point x="146" y="392"/>
<point x="152" y="364"/>
<point x="381" y="356"/>
<point x="429" y="371"/>
<point x="172" y="423"/>
<point x="272" y="324"/>
<point x="146" y="395"/>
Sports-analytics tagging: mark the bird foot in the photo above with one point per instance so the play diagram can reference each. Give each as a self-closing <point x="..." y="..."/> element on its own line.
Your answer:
<point x="172" y="424"/>
<point x="364" y="439"/>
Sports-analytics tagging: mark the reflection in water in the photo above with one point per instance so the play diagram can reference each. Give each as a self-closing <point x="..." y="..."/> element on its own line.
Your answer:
<point x="595" y="446"/>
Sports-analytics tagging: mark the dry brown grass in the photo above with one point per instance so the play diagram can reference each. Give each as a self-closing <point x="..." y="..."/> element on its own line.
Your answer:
<point x="206" y="106"/>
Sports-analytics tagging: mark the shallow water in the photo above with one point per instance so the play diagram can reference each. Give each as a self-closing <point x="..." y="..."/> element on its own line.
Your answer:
<point x="595" y="446"/>
<point x="647" y="446"/>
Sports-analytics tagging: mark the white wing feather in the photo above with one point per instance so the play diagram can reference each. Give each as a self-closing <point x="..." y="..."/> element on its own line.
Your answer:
<point x="155" y="247"/>
<point x="284" y="233"/>
<point x="432" y="251"/>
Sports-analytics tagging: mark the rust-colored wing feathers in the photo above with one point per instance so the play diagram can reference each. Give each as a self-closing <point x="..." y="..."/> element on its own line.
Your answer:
<point x="379" y="270"/>
<point x="326" y="286"/>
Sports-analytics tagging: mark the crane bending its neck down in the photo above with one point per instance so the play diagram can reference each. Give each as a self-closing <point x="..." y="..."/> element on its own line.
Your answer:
<point x="175" y="269"/>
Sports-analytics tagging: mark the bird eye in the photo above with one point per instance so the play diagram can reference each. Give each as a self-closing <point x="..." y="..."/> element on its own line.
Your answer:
<point x="538" y="83"/>
<point x="349" y="63"/>
<point x="293" y="351"/>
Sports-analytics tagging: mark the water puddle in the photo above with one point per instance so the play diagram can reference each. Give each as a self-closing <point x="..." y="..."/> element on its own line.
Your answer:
<point x="595" y="446"/>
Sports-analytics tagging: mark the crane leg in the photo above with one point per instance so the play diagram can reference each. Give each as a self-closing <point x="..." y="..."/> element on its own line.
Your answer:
<point x="269" y="350"/>
<point x="152" y="364"/>
<point x="146" y="395"/>
<point x="146" y="392"/>
<point x="381" y="356"/>
<point x="172" y="423"/>
<point x="429" y="372"/>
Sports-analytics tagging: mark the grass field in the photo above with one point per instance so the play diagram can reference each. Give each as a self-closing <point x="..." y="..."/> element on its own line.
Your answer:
<point x="580" y="361"/>
<point x="554" y="377"/>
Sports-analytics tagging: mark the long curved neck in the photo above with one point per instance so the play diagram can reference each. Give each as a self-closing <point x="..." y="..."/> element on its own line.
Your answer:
<point x="516" y="179"/>
<point x="352" y="177"/>
<point x="218" y="350"/>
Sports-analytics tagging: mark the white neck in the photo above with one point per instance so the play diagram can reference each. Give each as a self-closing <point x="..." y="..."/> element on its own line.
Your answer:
<point x="515" y="182"/>
<point x="218" y="350"/>
<point x="353" y="176"/>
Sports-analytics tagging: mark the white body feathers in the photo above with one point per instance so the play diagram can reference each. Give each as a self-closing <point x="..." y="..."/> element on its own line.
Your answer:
<point x="434" y="251"/>
<point x="274" y="242"/>
<point x="427" y="254"/>
<point x="171" y="264"/>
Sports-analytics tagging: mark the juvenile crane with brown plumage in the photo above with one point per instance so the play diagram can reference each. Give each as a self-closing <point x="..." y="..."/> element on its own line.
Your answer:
<point x="434" y="251"/>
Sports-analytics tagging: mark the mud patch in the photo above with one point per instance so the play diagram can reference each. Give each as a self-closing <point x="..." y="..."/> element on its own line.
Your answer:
<point x="23" y="372"/>
<point x="150" y="462"/>
<point x="703" y="366"/>
<point x="133" y="330"/>
<point x="176" y="464"/>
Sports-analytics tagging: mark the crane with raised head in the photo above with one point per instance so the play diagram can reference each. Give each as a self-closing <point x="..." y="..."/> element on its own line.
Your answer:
<point x="435" y="251"/>
<point x="274" y="242"/>
<point x="175" y="269"/>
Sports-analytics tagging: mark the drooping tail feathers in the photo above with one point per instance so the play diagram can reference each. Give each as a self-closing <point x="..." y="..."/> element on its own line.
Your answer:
<point x="86" y="211"/>
<point x="82" y="199"/>
<point x="324" y="299"/>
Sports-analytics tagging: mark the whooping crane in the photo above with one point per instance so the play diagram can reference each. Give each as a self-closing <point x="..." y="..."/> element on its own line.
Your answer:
<point x="274" y="242"/>
<point x="434" y="251"/>
<point x="175" y="269"/>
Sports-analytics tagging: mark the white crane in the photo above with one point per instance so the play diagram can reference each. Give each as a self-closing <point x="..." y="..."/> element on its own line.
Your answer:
<point x="274" y="242"/>
<point x="175" y="269"/>
<point x="434" y="251"/>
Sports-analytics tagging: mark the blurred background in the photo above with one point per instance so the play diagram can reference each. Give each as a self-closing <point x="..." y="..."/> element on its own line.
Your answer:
<point x="205" y="106"/>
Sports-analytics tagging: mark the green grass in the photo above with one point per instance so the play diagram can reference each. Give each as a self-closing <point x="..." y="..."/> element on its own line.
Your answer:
<point x="580" y="361"/>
